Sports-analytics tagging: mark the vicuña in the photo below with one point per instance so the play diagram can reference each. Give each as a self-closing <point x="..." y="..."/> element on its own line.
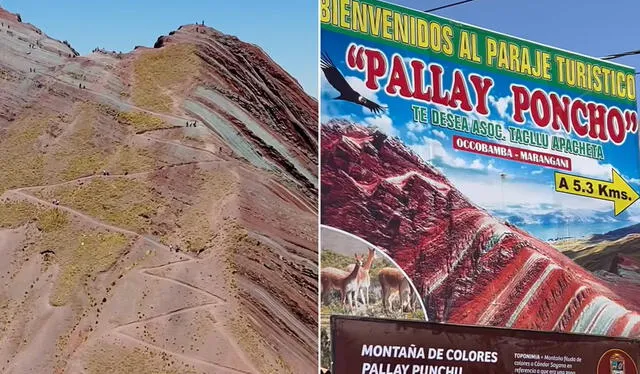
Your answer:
<point x="364" y="280"/>
<point x="336" y="279"/>
<point x="392" y="280"/>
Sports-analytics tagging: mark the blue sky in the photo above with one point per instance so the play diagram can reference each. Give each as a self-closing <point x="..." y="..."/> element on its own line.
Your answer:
<point x="286" y="30"/>
<point x="577" y="25"/>
<point x="526" y="195"/>
<point x="590" y="27"/>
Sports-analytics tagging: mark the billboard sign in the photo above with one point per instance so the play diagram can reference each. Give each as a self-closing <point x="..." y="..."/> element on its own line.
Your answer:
<point x="377" y="346"/>
<point x="499" y="174"/>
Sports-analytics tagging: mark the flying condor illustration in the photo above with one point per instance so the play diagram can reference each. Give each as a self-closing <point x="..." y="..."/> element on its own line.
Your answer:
<point x="336" y="79"/>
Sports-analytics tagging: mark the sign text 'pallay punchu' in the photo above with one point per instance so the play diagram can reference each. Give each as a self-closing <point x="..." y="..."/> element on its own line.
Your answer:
<point x="378" y="346"/>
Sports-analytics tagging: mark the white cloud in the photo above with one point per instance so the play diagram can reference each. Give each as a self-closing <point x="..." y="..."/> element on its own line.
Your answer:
<point x="359" y="86"/>
<point x="490" y="192"/>
<point x="584" y="166"/>
<point x="432" y="149"/>
<point x="416" y="127"/>
<point x="476" y="116"/>
<point x="588" y="167"/>
<point x="329" y="110"/>
<point x="440" y="134"/>
<point x="326" y="87"/>
<point x="442" y="108"/>
<point x="326" y="116"/>
<point x="580" y="165"/>
<point x="529" y="198"/>
<point x="501" y="104"/>
<point x="476" y="165"/>
<point x="382" y="123"/>
<point x="412" y="137"/>
<point x="491" y="167"/>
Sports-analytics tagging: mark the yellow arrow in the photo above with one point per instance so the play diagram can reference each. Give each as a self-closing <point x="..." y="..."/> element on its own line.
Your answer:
<point x="618" y="190"/>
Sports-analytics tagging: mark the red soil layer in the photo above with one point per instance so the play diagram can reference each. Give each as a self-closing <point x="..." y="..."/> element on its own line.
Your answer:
<point x="245" y="274"/>
<point x="471" y="268"/>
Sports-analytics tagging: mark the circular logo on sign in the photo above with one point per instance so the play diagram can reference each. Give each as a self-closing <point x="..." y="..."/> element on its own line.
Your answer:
<point x="616" y="361"/>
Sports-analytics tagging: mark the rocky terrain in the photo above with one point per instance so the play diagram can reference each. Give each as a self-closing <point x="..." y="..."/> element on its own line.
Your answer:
<point x="612" y="256"/>
<point x="470" y="267"/>
<point x="610" y="252"/>
<point x="133" y="242"/>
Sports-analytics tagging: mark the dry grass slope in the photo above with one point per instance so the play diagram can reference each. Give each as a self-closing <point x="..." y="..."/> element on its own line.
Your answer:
<point x="142" y="121"/>
<point x="85" y="255"/>
<point x="112" y="201"/>
<point x="81" y="253"/>
<point x="160" y="70"/>
<point x="232" y="238"/>
<point x="128" y="159"/>
<point x="197" y="230"/>
<point x="253" y="344"/>
<point x="235" y="241"/>
<point x="22" y="162"/>
<point x="148" y="210"/>
<point x="48" y="148"/>
<point x="80" y="153"/>
<point x="16" y="214"/>
<point x="69" y="253"/>
<point x="87" y="154"/>
<point x="121" y="360"/>
<point x="52" y="220"/>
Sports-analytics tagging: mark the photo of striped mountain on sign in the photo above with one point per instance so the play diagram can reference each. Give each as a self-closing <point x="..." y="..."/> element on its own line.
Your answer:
<point x="500" y="176"/>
